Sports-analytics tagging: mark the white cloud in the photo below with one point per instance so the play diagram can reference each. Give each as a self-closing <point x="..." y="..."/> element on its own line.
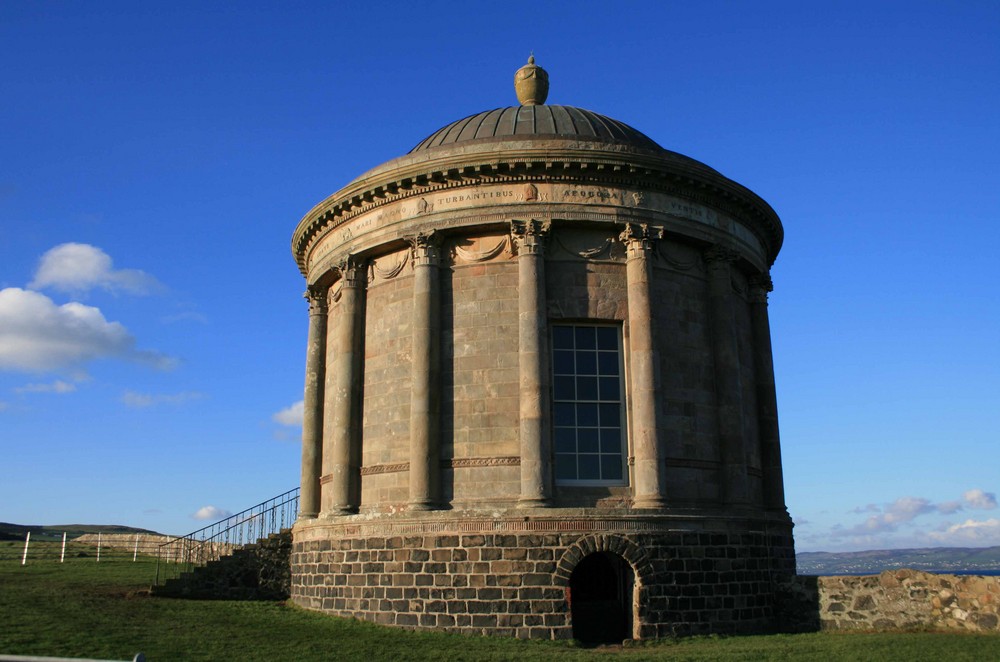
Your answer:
<point x="870" y="508"/>
<point x="290" y="415"/>
<point x="58" y="386"/>
<point x="985" y="532"/>
<point x="949" y="507"/>
<point x="981" y="500"/>
<point x="905" y="509"/>
<point x="900" y="511"/>
<point x="211" y="512"/>
<point x="37" y="335"/>
<point x="142" y="400"/>
<point x="81" y="267"/>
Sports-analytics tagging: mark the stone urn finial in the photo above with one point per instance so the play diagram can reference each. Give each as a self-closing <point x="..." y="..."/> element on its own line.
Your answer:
<point x="531" y="83"/>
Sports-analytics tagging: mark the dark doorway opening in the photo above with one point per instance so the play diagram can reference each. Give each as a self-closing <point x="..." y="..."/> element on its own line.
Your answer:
<point x="601" y="589"/>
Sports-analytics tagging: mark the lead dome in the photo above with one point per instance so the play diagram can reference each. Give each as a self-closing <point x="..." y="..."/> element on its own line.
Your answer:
<point x="539" y="390"/>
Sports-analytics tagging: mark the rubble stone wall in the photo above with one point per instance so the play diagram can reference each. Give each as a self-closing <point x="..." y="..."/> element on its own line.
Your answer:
<point x="894" y="600"/>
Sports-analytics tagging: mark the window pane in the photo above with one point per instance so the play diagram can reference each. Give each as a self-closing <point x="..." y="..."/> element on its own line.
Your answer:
<point x="586" y="415"/>
<point x="562" y="337"/>
<point x="611" y="440"/>
<point x="587" y="440"/>
<point x="562" y="362"/>
<point x="611" y="415"/>
<point x="607" y="363"/>
<point x="590" y="467"/>
<point x="565" y="440"/>
<point x="586" y="363"/>
<point x="607" y="338"/>
<point x="611" y="467"/>
<point x="565" y="466"/>
<point x="586" y="338"/>
<point x="564" y="414"/>
<point x="564" y="388"/>
<point x="586" y="388"/>
<point x="610" y="388"/>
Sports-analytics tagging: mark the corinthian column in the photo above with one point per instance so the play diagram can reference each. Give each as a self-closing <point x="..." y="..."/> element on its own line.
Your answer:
<point x="528" y="238"/>
<point x="425" y="407"/>
<point x="643" y="363"/>
<point x="728" y="391"/>
<point x="767" y="401"/>
<point x="343" y="388"/>
<point x="312" y="401"/>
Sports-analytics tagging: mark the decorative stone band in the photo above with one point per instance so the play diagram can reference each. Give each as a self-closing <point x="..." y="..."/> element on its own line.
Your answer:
<point x="454" y="463"/>
<point x="629" y="171"/>
<point x="514" y="461"/>
<point x="511" y="525"/>
<point x="685" y="463"/>
<point x="394" y="468"/>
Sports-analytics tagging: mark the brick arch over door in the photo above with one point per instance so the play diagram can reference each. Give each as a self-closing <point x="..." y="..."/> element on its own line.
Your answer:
<point x="620" y="545"/>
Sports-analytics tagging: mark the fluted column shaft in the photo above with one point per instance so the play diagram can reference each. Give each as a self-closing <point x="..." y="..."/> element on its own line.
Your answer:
<point x="728" y="390"/>
<point x="643" y="361"/>
<point x="536" y="453"/>
<point x="767" y="400"/>
<point x="425" y="399"/>
<point x="312" y="404"/>
<point x="342" y="398"/>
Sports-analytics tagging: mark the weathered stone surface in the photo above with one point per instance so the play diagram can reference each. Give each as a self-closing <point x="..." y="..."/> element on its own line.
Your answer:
<point x="900" y="600"/>
<point x="260" y="571"/>
<point x="449" y="272"/>
<point x="502" y="593"/>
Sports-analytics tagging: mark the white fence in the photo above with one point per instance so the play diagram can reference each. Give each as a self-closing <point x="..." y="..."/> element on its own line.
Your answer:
<point x="101" y="547"/>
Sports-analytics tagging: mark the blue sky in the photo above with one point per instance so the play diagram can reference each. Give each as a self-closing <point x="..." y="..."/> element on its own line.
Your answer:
<point x="155" y="158"/>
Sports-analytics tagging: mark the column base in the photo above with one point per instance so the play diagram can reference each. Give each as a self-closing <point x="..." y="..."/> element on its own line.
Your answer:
<point x="533" y="502"/>
<point x="420" y="506"/>
<point x="339" y="511"/>
<point x="649" y="502"/>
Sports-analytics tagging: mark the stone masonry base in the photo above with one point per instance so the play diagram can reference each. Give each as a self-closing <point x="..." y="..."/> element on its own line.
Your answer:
<point x="516" y="581"/>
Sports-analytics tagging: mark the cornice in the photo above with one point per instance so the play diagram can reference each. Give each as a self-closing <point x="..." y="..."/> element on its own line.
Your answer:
<point x="409" y="177"/>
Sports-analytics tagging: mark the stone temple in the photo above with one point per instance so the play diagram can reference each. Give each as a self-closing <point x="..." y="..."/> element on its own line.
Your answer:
<point x="539" y="393"/>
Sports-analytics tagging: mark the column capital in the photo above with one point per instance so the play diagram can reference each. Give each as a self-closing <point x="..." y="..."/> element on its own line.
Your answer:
<point x="352" y="271"/>
<point x="639" y="237"/>
<point x="760" y="285"/>
<point x="316" y="296"/>
<point x="528" y="237"/>
<point x="425" y="248"/>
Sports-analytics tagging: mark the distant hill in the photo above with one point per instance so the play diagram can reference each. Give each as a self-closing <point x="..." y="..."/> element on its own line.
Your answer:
<point x="10" y="531"/>
<point x="964" y="560"/>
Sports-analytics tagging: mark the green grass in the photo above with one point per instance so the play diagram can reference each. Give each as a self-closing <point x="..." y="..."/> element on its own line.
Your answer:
<point x="86" y="609"/>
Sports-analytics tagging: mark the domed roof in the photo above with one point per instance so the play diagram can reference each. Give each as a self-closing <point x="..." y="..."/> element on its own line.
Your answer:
<point x="538" y="121"/>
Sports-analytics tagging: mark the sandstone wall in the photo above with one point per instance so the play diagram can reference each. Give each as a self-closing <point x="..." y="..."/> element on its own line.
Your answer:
<point x="894" y="600"/>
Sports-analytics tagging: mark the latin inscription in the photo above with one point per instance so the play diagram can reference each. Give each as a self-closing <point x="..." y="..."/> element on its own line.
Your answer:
<point x="477" y="195"/>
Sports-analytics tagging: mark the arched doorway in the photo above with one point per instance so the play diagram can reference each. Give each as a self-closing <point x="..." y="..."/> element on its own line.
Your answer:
<point x="601" y="589"/>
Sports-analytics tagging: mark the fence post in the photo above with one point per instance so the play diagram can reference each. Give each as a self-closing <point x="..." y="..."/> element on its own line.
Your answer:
<point x="135" y="553"/>
<point x="98" y="547"/>
<point x="24" y="557"/>
<point x="62" y="554"/>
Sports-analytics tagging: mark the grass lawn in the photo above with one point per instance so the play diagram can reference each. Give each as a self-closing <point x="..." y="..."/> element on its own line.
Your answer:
<point x="82" y="608"/>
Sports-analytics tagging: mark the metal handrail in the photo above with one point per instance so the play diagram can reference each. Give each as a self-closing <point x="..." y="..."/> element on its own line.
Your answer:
<point x="184" y="553"/>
